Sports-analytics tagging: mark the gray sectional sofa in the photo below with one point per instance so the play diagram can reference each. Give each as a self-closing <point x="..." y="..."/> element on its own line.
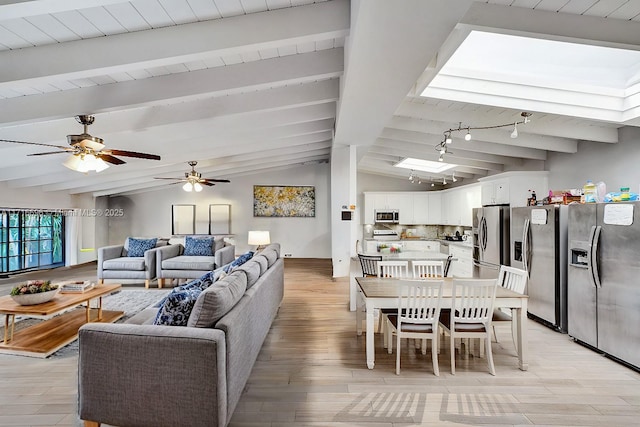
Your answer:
<point x="173" y="263"/>
<point x="140" y="374"/>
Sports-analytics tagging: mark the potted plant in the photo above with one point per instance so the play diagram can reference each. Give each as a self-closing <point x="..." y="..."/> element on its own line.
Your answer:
<point x="34" y="292"/>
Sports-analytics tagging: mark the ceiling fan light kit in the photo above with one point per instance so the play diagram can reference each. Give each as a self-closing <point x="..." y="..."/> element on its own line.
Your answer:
<point x="193" y="180"/>
<point x="88" y="153"/>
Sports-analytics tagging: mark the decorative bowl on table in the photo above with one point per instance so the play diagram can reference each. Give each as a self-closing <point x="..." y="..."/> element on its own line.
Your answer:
<point x="34" y="292"/>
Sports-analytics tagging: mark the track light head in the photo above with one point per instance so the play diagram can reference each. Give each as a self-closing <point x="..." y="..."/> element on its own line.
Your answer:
<point x="514" y="134"/>
<point x="467" y="136"/>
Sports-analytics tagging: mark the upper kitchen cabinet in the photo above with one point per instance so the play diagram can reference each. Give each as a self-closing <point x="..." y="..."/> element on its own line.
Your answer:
<point x="513" y="188"/>
<point x="413" y="207"/>
<point x="458" y="203"/>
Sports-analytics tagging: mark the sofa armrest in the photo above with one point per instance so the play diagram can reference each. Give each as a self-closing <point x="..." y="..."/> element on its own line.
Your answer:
<point x="152" y="375"/>
<point x="150" y="258"/>
<point x="108" y="252"/>
<point x="225" y="255"/>
<point x="165" y="252"/>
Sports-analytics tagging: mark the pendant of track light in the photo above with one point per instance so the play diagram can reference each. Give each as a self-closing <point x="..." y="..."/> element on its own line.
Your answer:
<point x="514" y="134"/>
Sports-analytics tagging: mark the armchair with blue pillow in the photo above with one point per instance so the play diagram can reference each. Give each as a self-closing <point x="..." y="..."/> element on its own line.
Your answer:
<point x="133" y="261"/>
<point x="190" y="257"/>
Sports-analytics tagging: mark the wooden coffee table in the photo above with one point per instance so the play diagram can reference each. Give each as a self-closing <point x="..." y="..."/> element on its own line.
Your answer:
<point x="45" y="338"/>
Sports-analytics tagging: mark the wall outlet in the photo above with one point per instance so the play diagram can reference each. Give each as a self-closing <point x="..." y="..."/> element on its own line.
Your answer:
<point x="287" y="255"/>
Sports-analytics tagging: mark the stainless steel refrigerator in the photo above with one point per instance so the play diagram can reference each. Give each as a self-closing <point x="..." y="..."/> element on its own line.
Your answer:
<point x="539" y="246"/>
<point x="604" y="278"/>
<point x="490" y="240"/>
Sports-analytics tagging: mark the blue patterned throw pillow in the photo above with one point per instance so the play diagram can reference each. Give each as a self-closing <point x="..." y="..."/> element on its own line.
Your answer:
<point x="198" y="247"/>
<point x="201" y="283"/>
<point x="177" y="307"/>
<point x="137" y="247"/>
<point x="238" y="262"/>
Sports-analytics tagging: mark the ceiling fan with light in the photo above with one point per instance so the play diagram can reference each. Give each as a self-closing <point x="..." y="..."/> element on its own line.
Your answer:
<point x="88" y="153"/>
<point x="193" y="180"/>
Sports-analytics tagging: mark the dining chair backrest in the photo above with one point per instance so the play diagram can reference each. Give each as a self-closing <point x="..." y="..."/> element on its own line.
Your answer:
<point x="473" y="300"/>
<point x="369" y="264"/>
<point x="513" y="279"/>
<point x="427" y="269"/>
<point x="420" y="301"/>
<point x="393" y="269"/>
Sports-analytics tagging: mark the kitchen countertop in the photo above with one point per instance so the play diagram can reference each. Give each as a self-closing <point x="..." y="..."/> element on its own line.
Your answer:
<point x="465" y="243"/>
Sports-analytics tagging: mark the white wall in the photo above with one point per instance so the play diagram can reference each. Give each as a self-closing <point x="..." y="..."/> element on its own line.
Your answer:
<point x="617" y="165"/>
<point x="149" y="214"/>
<point x="33" y="198"/>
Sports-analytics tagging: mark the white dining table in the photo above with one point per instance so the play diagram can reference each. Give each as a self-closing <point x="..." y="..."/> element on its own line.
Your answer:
<point x="376" y="293"/>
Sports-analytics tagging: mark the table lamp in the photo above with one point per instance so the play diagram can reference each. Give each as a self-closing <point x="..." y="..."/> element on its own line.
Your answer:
<point x="259" y="238"/>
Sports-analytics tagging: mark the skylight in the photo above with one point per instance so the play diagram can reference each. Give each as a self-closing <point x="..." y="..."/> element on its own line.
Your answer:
<point x="424" y="165"/>
<point x="573" y="79"/>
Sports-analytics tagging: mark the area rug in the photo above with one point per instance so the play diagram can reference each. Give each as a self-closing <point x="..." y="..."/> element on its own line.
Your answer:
<point x="131" y="301"/>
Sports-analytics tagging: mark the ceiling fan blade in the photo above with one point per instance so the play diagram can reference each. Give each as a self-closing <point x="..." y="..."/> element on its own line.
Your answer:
<point x="210" y="184"/>
<point x="215" y="180"/>
<point x="173" y="179"/>
<point x="134" y="154"/>
<point x="62" y="147"/>
<point x="48" y="152"/>
<point x="109" y="158"/>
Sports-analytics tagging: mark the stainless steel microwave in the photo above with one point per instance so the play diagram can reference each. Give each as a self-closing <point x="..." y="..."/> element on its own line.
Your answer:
<point x="387" y="215"/>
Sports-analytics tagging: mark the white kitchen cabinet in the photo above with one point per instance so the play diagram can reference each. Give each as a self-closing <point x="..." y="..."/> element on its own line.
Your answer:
<point x="421" y="209"/>
<point x="458" y="203"/>
<point x="435" y="208"/>
<point x="421" y="245"/>
<point x="514" y="188"/>
<point x="495" y="192"/>
<point x="463" y="265"/>
<point x="403" y="202"/>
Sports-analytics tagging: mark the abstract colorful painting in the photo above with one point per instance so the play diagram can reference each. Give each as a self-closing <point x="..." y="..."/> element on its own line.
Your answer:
<point x="284" y="201"/>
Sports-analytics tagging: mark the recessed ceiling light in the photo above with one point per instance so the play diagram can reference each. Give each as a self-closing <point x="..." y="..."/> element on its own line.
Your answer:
<point x="424" y="165"/>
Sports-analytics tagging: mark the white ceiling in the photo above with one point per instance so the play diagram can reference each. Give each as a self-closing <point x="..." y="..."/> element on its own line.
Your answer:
<point x="244" y="86"/>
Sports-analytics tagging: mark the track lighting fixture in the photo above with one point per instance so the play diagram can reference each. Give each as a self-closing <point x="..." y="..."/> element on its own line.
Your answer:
<point x="453" y="177"/>
<point x="444" y="180"/>
<point x="432" y="184"/>
<point x="442" y="146"/>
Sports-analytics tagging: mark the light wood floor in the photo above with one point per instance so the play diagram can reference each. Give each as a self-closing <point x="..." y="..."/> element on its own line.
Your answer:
<point x="312" y="372"/>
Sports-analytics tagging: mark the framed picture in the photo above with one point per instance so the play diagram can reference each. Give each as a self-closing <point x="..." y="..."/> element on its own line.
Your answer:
<point x="183" y="219"/>
<point x="219" y="219"/>
<point x="284" y="201"/>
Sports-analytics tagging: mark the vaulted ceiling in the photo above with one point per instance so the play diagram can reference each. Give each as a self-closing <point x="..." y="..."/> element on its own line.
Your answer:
<point x="244" y="86"/>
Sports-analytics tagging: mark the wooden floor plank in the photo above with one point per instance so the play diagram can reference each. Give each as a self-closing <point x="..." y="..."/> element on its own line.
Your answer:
<point x="311" y="372"/>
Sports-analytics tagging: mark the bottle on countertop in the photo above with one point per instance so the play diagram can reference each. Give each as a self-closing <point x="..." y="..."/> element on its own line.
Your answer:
<point x="624" y="194"/>
<point x="589" y="192"/>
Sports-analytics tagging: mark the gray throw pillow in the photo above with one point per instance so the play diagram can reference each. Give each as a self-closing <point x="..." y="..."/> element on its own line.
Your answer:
<point x="252" y="269"/>
<point x="216" y="301"/>
<point x="271" y="256"/>
<point x="262" y="261"/>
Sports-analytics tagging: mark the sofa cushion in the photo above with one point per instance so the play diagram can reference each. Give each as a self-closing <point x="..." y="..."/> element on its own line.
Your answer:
<point x="275" y="247"/>
<point x="215" y="301"/>
<point x="177" y="307"/>
<point x="184" y="262"/>
<point x="252" y="270"/>
<point x="198" y="246"/>
<point x="262" y="262"/>
<point x="271" y="256"/>
<point x="124" y="263"/>
<point x="137" y="247"/>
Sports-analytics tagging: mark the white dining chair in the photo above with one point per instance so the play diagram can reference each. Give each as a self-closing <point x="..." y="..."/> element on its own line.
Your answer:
<point x="390" y="270"/>
<point x="417" y="316"/>
<point x="424" y="269"/>
<point x="470" y="316"/>
<point x="516" y="280"/>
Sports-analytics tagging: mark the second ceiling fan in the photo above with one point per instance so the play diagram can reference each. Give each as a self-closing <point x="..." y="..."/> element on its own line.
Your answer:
<point x="193" y="180"/>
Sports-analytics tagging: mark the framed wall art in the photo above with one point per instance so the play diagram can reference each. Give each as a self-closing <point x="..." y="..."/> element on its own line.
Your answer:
<point x="284" y="201"/>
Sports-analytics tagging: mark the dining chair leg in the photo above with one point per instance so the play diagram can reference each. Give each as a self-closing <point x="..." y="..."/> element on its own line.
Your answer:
<point x="434" y="353"/>
<point x="424" y="346"/>
<point x="389" y="338"/>
<point x="398" y="354"/>
<point x="492" y="368"/>
<point x="453" y="355"/>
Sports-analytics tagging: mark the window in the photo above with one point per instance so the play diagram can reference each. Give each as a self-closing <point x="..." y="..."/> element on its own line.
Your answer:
<point x="30" y="240"/>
